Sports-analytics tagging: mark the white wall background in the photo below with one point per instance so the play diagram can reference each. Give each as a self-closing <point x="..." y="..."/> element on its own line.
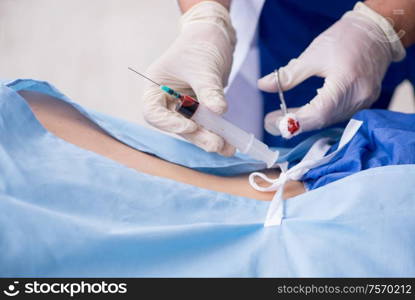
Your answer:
<point x="85" y="46"/>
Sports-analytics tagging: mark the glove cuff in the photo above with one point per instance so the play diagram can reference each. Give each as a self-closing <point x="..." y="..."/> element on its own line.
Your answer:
<point x="390" y="35"/>
<point x="210" y="12"/>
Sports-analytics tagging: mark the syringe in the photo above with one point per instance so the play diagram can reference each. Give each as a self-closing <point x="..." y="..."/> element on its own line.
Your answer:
<point x="240" y="139"/>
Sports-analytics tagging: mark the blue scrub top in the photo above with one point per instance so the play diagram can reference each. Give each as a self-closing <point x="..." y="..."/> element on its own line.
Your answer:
<point x="286" y="28"/>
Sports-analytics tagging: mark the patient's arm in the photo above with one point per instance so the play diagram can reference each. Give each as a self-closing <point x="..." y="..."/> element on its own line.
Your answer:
<point x="64" y="121"/>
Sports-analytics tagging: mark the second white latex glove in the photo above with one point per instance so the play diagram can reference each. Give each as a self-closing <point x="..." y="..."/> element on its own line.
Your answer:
<point x="353" y="56"/>
<point x="198" y="63"/>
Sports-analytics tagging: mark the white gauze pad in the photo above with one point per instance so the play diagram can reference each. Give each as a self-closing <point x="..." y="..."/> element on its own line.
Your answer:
<point x="289" y="126"/>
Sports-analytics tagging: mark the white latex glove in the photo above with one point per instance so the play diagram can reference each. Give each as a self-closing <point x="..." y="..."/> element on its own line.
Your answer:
<point x="353" y="56"/>
<point x="198" y="63"/>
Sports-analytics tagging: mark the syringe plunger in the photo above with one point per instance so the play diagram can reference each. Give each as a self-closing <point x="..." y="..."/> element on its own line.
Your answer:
<point x="242" y="140"/>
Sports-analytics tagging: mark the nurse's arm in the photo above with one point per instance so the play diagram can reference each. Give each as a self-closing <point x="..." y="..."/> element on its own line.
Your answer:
<point x="185" y="5"/>
<point x="401" y="13"/>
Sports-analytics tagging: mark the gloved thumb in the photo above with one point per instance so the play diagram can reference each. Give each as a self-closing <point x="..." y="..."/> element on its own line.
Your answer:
<point x="325" y="109"/>
<point x="212" y="98"/>
<point x="295" y="72"/>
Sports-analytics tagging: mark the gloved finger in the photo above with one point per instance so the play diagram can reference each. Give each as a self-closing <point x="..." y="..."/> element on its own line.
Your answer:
<point x="326" y="108"/>
<point x="212" y="98"/>
<point x="157" y="112"/>
<point x="209" y="141"/>
<point x="295" y="72"/>
<point x="272" y="120"/>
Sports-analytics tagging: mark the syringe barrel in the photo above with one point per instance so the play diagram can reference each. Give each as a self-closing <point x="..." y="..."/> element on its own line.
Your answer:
<point x="240" y="139"/>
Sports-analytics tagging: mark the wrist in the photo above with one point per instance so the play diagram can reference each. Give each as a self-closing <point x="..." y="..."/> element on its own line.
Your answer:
<point x="401" y="15"/>
<point x="185" y="5"/>
<point x="383" y="31"/>
<point x="210" y="12"/>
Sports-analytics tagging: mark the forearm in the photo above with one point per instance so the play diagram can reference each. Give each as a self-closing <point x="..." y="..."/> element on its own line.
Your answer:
<point x="185" y="5"/>
<point x="401" y="13"/>
<point x="67" y="123"/>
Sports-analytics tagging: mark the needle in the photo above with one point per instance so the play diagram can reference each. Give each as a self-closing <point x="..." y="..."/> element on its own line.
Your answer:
<point x="185" y="99"/>
<point x="131" y="69"/>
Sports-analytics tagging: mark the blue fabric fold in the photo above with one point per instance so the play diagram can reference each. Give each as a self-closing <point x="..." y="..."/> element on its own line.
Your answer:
<point x="385" y="138"/>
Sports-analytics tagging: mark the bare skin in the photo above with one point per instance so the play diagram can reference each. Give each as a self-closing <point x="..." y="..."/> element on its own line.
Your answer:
<point x="401" y="14"/>
<point x="67" y="123"/>
<point x="185" y="5"/>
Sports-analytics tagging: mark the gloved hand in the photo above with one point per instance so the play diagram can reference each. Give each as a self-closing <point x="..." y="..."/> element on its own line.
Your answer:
<point x="198" y="63"/>
<point x="353" y="56"/>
